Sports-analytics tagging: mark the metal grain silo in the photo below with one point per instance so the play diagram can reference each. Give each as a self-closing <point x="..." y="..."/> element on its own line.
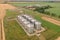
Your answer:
<point x="23" y="19"/>
<point x="19" y="18"/>
<point x="30" y="18"/>
<point x="26" y="22"/>
<point x="30" y="28"/>
<point x="33" y="21"/>
<point x="37" y="25"/>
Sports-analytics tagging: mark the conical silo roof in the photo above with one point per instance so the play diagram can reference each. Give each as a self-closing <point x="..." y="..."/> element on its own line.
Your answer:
<point x="30" y="25"/>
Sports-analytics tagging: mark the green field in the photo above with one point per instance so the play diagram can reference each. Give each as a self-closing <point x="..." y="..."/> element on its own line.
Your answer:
<point x="14" y="31"/>
<point x="55" y="5"/>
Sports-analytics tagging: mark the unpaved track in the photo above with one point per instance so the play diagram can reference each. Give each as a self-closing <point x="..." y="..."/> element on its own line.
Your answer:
<point x="51" y="20"/>
<point x="58" y="38"/>
<point x="3" y="8"/>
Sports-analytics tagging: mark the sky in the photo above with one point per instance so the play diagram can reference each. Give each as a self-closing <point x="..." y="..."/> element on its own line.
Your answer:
<point x="34" y="0"/>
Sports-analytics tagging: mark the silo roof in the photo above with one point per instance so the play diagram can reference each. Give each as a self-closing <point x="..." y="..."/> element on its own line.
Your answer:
<point x="30" y="18"/>
<point x="27" y="16"/>
<point x="30" y="25"/>
<point x="33" y="20"/>
<point x="18" y="16"/>
<point x="26" y="22"/>
<point x="23" y="19"/>
<point x="37" y="22"/>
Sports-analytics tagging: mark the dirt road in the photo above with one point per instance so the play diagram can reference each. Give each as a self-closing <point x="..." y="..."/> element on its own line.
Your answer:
<point x="58" y="38"/>
<point x="51" y="20"/>
<point x="3" y="8"/>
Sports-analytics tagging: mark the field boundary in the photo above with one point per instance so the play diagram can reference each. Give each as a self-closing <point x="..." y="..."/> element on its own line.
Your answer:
<point x="47" y="18"/>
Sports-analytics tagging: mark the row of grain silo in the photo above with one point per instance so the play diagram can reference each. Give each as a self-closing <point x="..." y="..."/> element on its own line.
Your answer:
<point x="29" y="23"/>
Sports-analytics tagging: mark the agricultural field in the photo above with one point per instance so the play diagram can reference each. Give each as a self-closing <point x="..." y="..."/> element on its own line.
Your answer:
<point x="13" y="30"/>
<point x="55" y="9"/>
<point x="55" y="5"/>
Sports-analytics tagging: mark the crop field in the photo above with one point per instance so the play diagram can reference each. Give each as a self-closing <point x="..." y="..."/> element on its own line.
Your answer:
<point x="55" y="5"/>
<point x="55" y="9"/>
<point x="13" y="30"/>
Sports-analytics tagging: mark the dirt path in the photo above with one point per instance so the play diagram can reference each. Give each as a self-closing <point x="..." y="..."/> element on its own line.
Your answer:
<point x="3" y="8"/>
<point x="58" y="38"/>
<point x="51" y="20"/>
<point x="42" y="37"/>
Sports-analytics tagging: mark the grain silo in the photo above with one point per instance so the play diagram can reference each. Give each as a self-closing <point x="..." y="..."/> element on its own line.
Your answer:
<point x="26" y="16"/>
<point x="30" y="18"/>
<point x="30" y="28"/>
<point x="26" y="22"/>
<point x="19" y="18"/>
<point x="37" y="25"/>
<point x="23" y="19"/>
<point x="33" y="21"/>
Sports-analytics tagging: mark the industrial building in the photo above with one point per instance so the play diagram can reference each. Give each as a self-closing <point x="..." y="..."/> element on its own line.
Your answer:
<point x="29" y="23"/>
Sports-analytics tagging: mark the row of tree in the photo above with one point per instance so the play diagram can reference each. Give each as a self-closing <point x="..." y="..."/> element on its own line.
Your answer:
<point x="51" y="14"/>
<point x="43" y="8"/>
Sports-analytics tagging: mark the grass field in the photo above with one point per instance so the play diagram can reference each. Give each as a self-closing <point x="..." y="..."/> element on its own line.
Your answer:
<point x="13" y="30"/>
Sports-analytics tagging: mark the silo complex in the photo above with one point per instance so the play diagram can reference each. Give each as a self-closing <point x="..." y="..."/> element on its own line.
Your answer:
<point x="29" y="23"/>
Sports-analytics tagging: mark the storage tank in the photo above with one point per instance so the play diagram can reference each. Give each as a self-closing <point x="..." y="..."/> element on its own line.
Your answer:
<point x="30" y="28"/>
<point x="19" y="18"/>
<point x="26" y="16"/>
<point x="37" y="25"/>
<point x="30" y="18"/>
<point x="26" y="22"/>
<point x="23" y="19"/>
<point x="33" y="21"/>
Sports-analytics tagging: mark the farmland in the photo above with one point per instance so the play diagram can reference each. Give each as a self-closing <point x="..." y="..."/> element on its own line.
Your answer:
<point x="13" y="30"/>
<point x="55" y="9"/>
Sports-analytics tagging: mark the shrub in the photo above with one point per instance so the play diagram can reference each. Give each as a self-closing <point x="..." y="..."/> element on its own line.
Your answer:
<point x="53" y="14"/>
<point x="59" y="16"/>
<point x="48" y="13"/>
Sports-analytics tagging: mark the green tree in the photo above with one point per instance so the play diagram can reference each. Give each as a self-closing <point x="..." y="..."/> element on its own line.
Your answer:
<point x="59" y="16"/>
<point x="53" y="14"/>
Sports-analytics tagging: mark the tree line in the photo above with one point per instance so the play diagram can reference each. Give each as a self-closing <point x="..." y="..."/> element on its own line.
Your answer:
<point x="43" y="8"/>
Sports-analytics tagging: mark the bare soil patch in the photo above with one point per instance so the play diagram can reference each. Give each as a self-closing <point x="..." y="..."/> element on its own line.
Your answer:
<point x="3" y="8"/>
<point x="58" y="38"/>
<point x="51" y="20"/>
